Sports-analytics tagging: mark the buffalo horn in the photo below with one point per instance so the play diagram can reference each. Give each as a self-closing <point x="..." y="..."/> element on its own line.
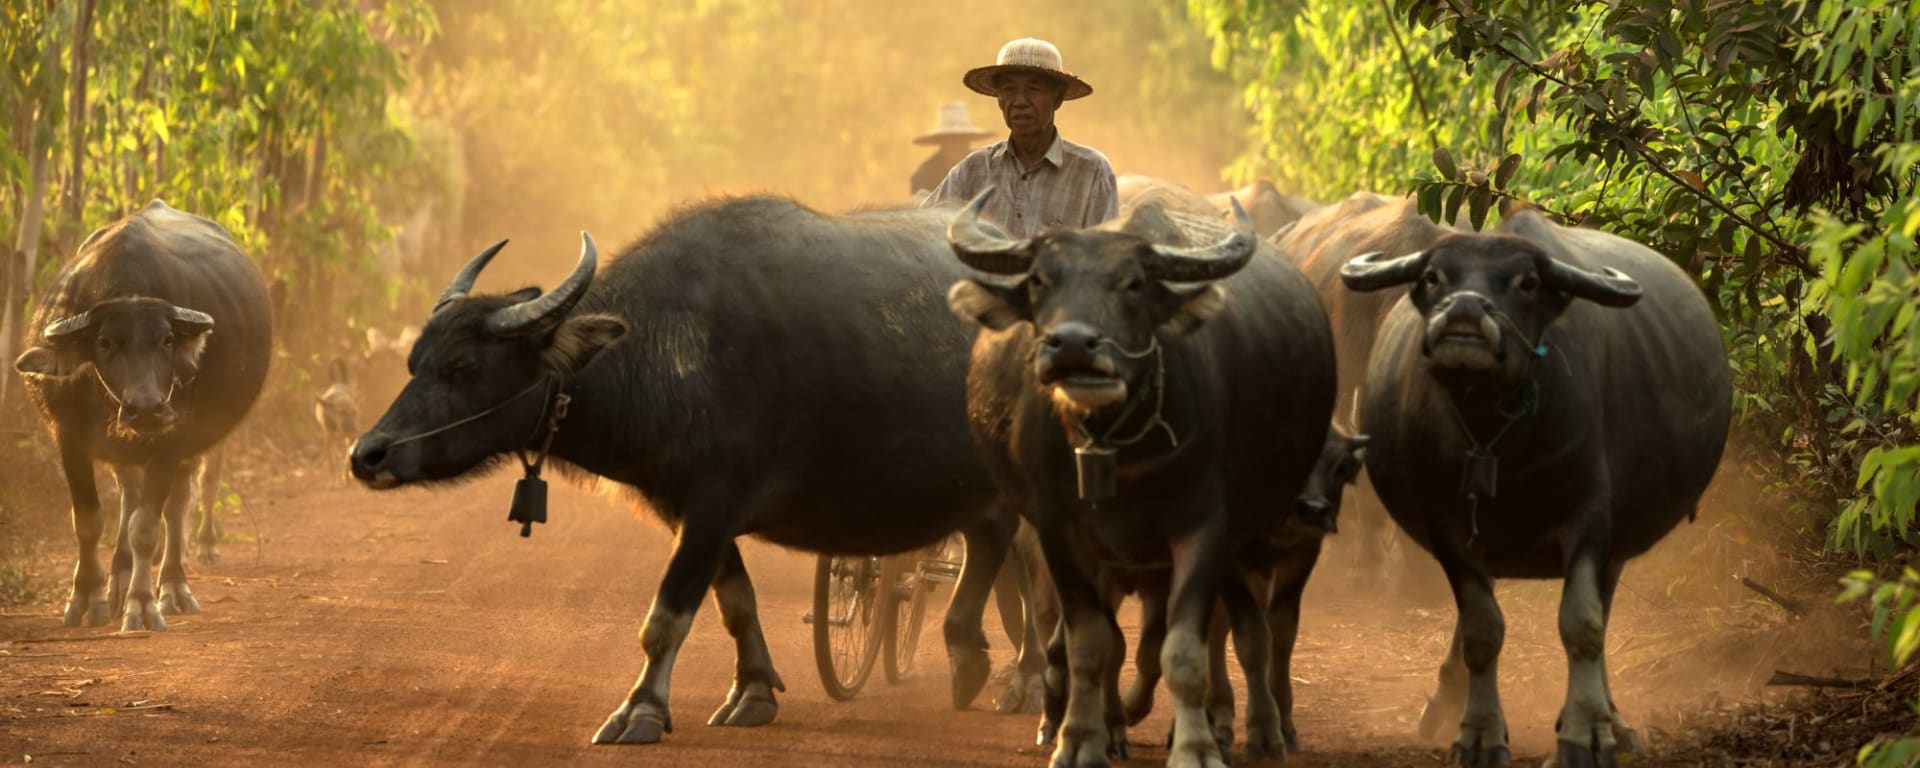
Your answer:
<point x="982" y="249"/>
<point x="1609" y="288"/>
<point x="1369" y="272"/>
<point x="1206" y="262"/>
<point x="536" y="315"/>
<point x="68" y="325"/>
<point x="463" y="282"/>
<point x="193" y="317"/>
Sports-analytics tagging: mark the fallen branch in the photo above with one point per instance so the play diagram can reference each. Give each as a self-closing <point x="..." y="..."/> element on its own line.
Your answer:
<point x="1781" y="677"/>
<point x="1791" y="606"/>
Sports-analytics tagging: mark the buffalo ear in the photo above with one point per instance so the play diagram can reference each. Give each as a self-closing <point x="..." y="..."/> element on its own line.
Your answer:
<point x="576" y="341"/>
<point x="41" y="361"/>
<point x="995" y="306"/>
<point x="1370" y="272"/>
<point x="1197" y="306"/>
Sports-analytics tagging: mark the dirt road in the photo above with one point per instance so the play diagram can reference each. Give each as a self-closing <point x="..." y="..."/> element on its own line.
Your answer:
<point x="416" y="628"/>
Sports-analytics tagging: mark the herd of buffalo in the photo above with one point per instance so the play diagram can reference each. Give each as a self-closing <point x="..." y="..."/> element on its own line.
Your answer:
<point x="1165" y="405"/>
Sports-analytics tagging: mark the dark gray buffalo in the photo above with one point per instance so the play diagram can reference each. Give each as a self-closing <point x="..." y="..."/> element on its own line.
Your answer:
<point x="154" y="343"/>
<point x="1141" y="423"/>
<point x="750" y="367"/>
<point x="1545" y="402"/>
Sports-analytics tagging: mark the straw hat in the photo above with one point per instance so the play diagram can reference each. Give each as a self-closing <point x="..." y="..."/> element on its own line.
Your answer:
<point x="1027" y="54"/>
<point x="952" y="123"/>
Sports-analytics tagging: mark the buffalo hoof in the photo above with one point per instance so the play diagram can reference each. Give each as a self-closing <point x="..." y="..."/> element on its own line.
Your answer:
<point x="632" y="724"/>
<point x="1025" y="695"/>
<point x="117" y="590"/>
<point x="1196" y="757"/>
<point x="1443" y="711"/>
<point x="1265" y="741"/>
<point x="1117" y="743"/>
<point x="746" y="706"/>
<point x="94" y="612"/>
<point x="176" y="599"/>
<point x="970" y="668"/>
<point x="142" y="614"/>
<point x="1292" y="736"/>
<point x="1629" y="740"/>
<point x="1048" y="733"/>
<point x="1571" y="755"/>
<point x="209" y="555"/>
<point x="1479" y="756"/>
<point x="1086" y="751"/>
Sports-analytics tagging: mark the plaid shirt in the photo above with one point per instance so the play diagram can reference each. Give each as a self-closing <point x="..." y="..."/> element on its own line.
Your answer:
<point x="1072" y="188"/>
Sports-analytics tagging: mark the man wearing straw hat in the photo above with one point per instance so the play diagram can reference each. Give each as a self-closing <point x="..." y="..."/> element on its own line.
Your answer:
<point x="1041" y="181"/>
<point x="954" y="133"/>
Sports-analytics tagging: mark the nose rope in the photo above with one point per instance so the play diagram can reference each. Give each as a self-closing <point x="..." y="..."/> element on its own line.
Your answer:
<point x="122" y="404"/>
<point x="1159" y="386"/>
<point x="543" y="382"/>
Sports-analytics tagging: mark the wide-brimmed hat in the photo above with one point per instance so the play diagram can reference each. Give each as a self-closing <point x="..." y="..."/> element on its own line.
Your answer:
<point x="1027" y="54"/>
<point x="952" y="123"/>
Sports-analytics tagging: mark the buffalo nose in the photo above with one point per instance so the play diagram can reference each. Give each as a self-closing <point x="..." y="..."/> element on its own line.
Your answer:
<point x="368" y="453"/>
<point x="146" y="415"/>
<point x="1071" y="337"/>
<point x="1317" y="511"/>
<point x="1466" y="305"/>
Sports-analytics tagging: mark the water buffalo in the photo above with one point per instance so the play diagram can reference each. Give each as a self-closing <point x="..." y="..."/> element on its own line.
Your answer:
<point x="1139" y="422"/>
<point x="154" y="342"/>
<point x="1544" y="402"/>
<point x="1270" y="210"/>
<point x="750" y="367"/>
<point x="1321" y="242"/>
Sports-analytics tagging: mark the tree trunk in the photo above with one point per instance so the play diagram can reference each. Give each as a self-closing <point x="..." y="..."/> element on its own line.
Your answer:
<point x="20" y="269"/>
<point x="75" y="202"/>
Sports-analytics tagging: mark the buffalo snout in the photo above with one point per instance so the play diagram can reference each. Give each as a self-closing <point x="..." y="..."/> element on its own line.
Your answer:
<point x="1070" y="348"/>
<point x="1316" y="512"/>
<point x="147" y="414"/>
<point x="368" y="460"/>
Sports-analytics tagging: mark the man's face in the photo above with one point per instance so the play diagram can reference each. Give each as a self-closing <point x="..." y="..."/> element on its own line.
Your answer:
<point x="1028" y="101"/>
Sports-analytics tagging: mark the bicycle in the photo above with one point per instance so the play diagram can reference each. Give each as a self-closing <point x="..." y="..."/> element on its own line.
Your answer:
<point x="875" y="606"/>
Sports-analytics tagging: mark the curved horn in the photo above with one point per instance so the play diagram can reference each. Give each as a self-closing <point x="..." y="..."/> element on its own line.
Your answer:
<point x="201" y="321"/>
<point x="68" y="326"/>
<point x="1207" y="262"/>
<point x="981" y="249"/>
<point x="1609" y="288"/>
<point x="463" y="281"/>
<point x="539" y="314"/>
<point x="1368" y="272"/>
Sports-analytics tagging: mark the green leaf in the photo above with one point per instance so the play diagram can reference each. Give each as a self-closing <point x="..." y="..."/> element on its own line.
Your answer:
<point x="1478" y="201"/>
<point x="1443" y="160"/>
<point x="1505" y="172"/>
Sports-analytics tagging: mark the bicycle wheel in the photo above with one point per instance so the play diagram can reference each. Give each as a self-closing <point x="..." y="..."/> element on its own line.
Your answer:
<point x="848" y="624"/>
<point x="911" y="591"/>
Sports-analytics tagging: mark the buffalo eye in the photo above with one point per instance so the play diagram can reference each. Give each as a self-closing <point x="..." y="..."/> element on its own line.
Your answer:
<point x="104" y="344"/>
<point x="1431" y="278"/>
<point x="1529" y="283"/>
<point x="166" y="342"/>
<point x="1040" y="280"/>
<point x="1131" y="285"/>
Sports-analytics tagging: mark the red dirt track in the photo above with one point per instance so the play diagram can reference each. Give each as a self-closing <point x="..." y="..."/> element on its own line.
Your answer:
<point x="416" y="628"/>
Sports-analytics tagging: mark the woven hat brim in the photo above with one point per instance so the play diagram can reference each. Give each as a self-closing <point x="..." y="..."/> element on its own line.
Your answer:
<point x="936" y="136"/>
<point x="980" y="79"/>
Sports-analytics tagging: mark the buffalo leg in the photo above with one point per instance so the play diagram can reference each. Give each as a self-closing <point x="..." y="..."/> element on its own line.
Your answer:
<point x="207" y="529"/>
<point x="645" y="716"/>
<point x="1256" y="644"/>
<point x="966" y="640"/>
<point x="751" y="701"/>
<point x="1054" y="704"/>
<point x="88" y="602"/>
<point x="132" y="484"/>
<point x="1477" y="637"/>
<point x="1197" y="571"/>
<point x="143" y="536"/>
<point x="1283" y="620"/>
<point x="1027" y="690"/>
<point x="1585" y="728"/>
<point x="1138" y="702"/>
<point x="175" y="598"/>
<point x="1085" y="737"/>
